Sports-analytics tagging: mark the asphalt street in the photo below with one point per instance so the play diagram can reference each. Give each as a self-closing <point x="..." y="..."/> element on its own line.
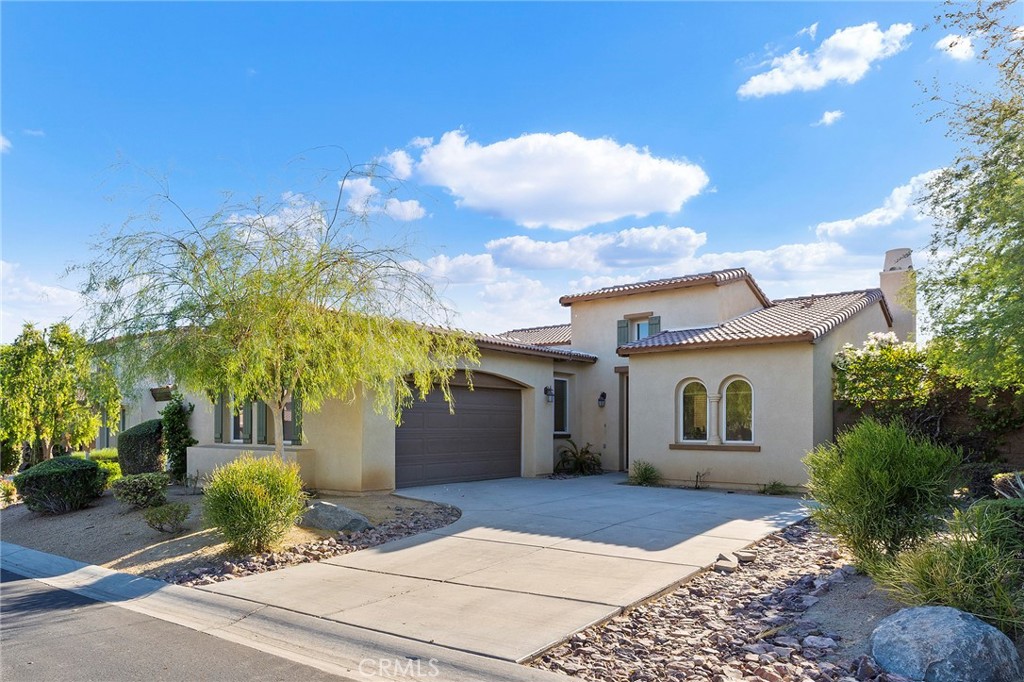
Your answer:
<point x="50" y="634"/>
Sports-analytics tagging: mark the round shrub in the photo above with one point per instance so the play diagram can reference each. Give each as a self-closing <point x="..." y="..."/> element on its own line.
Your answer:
<point x="253" y="502"/>
<point x="167" y="518"/>
<point x="644" y="474"/>
<point x="881" y="489"/>
<point x="142" y="490"/>
<point x="113" y="470"/>
<point x="140" y="448"/>
<point x="60" y="485"/>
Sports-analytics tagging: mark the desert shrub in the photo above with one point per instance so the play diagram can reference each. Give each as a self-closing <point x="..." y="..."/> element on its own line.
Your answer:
<point x="139" y="449"/>
<point x="1009" y="532"/>
<point x="167" y="518"/>
<point x="777" y="488"/>
<point x="60" y="485"/>
<point x="573" y="459"/>
<point x="177" y="436"/>
<point x="880" y="489"/>
<point x="644" y="473"/>
<point x="10" y="456"/>
<point x="253" y="502"/>
<point x="142" y="490"/>
<point x="975" y="566"/>
<point x="1009" y="485"/>
<point x="113" y="470"/>
<point x="8" y="493"/>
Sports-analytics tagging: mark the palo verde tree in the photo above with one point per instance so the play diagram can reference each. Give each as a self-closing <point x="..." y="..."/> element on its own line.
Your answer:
<point x="972" y="286"/>
<point x="270" y="302"/>
<point x="53" y="389"/>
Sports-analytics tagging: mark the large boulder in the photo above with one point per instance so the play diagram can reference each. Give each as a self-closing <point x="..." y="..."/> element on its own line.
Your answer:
<point x="329" y="516"/>
<point x="941" y="644"/>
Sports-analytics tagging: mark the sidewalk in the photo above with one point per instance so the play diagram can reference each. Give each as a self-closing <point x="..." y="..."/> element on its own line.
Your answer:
<point x="351" y="652"/>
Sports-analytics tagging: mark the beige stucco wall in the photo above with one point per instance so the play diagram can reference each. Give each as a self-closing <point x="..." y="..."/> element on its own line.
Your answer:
<point x="854" y="331"/>
<point x="781" y="377"/>
<point x="594" y="331"/>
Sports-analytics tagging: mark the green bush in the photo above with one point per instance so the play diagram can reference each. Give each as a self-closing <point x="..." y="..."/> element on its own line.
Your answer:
<point x="8" y="493"/>
<point x="10" y="456"/>
<point x="60" y="485"/>
<point x="573" y="459"/>
<point x="140" y="450"/>
<point x="1010" y="532"/>
<point x="881" y="489"/>
<point x="113" y="470"/>
<point x="975" y="567"/>
<point x="254" y="502"/>
<point x="167" y="518"/>
<point x="644" y="473"/>
<point x="104" y="455"/>
<point x="142" y="490"/>
<point x="777" y="488"/>
<point x="177" y="435"/>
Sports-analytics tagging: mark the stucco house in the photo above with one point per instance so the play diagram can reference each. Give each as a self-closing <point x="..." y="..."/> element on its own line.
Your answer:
<point x="697" y="374"/>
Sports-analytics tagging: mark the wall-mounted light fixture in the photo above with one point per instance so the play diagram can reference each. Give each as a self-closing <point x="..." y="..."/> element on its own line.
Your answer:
<point x="601" y="399"/>
<point x="550" y="393"/>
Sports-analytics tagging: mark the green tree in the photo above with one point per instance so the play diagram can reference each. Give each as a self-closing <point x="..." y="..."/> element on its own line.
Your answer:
<point x="972" y="287"/>
<point x="53" y="389"/>
<point x="270" y="302"/>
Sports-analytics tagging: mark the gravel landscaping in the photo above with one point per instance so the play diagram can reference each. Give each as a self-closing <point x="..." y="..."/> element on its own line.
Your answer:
<point x="799" y="611"/>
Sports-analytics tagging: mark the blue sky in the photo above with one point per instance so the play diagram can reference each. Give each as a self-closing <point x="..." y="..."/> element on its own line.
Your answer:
<point x="542" y="148"/>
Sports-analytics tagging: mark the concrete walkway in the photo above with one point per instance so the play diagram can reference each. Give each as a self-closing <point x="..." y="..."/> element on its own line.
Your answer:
<point x="530" y="562"/>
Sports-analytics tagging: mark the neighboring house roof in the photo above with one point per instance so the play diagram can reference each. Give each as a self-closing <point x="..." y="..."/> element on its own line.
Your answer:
<point x="551" y="335"/>
<point x="718" y="278"/>
<point x="507" y="345"/>
<point x="806" y="318"/>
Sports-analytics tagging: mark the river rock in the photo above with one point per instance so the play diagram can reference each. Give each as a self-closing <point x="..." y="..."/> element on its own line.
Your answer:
<point x="330" y="516"/>
<point x="942" y="644"/>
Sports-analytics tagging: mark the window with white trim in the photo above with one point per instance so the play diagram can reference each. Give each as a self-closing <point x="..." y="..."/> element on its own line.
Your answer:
<point x="561" y="405"/>
<point x="738" y="410"/>
<point x="693" y="412"/>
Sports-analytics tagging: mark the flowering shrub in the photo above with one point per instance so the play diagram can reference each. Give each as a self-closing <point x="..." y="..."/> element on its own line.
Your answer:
<point x="883" y="372"/>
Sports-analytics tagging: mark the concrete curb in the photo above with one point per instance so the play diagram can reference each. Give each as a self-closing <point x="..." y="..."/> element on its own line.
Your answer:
<point x="340" y="649"/>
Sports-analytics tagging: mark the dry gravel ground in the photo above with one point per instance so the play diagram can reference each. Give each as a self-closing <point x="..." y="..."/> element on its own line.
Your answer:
<point x="107" y="535"/>
<point x="798" y="612"/>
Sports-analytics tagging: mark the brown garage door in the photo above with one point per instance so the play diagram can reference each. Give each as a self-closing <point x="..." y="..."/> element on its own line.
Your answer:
<point x="481" y="440"/>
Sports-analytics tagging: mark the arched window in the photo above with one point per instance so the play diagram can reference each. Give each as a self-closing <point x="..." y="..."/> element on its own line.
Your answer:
<point x="693" y="412"/>
<point x="739" y="404"/>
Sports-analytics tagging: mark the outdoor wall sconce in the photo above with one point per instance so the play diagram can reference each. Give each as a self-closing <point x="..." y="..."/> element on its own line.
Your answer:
<point x="550" y="393"/>
<point x="601" y="399"/>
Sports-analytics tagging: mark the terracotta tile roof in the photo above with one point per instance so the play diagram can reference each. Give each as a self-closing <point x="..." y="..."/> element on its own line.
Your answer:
<point x="806" y="318"/>
<point x="551" y="335"/>
<point x="503" y="343"/>
<point x="717" y="277"/>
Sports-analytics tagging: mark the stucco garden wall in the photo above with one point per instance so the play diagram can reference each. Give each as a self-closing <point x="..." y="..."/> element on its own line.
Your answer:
<point x="781" y="377"/>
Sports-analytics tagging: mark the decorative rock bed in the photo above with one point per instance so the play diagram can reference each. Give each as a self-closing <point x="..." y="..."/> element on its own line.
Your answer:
<point x="408" y="522"/>
<point x="743" y="625"/>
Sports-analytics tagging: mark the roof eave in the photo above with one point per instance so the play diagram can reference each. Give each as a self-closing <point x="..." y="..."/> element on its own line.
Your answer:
<point x="535" y="351"/>
<point x="805" y="337"/>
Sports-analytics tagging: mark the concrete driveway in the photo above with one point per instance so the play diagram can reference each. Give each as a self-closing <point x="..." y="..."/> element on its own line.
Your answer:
<point x="530" y="562"/>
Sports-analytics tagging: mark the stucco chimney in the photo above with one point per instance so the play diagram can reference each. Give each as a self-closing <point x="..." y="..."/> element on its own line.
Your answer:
<point x="898" y="283"/>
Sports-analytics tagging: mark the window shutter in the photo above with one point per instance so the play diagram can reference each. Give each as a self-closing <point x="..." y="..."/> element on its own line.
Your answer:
<point x="623" y="330"/>
<point x="247" y="421"/>
<point x="654" y="325"/>
<point x="297" y="420"/>
<point x="218" y="419"/>
<point x="261" y="422"/>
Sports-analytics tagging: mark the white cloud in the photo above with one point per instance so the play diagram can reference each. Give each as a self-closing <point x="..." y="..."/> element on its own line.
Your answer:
<point x="847" y="55"/>
<point x="562" y="181"/>
<point x="5" y="144"/>
<point x="899" y="204"/>
<point x="33" y="132"/>
<point x="811" y="31"/>
<point x="421" y="142"/>
<point x="829" y="117"/>
<point x="634" y="247"/>
<point x="364" y="199"/>
<point x="462" y="269"/>
<point x="24" y="299"/>
<point x="400" y="163"/>
<point x="957" y="47"/>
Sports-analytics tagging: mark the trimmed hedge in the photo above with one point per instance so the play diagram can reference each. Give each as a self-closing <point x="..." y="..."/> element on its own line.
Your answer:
<point x="142" y="490"/>
<point x="61" y="484"/>
<point x="140" y="448"/>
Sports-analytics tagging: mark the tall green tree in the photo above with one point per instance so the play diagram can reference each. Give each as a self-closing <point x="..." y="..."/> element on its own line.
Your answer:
<point x="974" y="285"/>
<point x="271" y="302"/>
<point x="53" y="389"/>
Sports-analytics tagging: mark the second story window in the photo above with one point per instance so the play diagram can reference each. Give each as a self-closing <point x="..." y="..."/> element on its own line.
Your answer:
<point x="637" y="326"/>
<point x="641" y="329"/>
